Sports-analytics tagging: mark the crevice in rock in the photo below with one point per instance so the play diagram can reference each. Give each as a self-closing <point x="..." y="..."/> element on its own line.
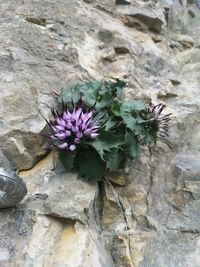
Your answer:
<point x="191" y="231"/>
<point x="37" y="21"/>
<point x="101" y="8"/>
<point x="63" y="219"/>
<point x="119" y="202"/>
<point x="100" y="203"/>
<point x="149" y="191"/>
<point x="95" y="212"/>
<point x="128" y="217"/>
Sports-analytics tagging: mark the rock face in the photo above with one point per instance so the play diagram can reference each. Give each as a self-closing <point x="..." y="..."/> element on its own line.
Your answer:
<point x="153" y="19"/>
<point x="147" y="215"/>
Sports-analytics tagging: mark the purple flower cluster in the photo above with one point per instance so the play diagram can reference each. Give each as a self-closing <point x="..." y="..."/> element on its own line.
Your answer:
<point x="161" y="120"/>
<point x="69" y="128"/>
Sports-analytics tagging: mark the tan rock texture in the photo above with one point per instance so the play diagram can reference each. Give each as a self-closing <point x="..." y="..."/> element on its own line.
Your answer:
<point x="145" y="215"/>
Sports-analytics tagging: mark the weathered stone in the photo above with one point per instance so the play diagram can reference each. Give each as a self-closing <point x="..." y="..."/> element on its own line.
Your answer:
<point x="185" y="40"/>
<point x="153" y="19"/>
<point x="188" y="56"/>
<point x="142" y="17"/>
<point x="157" y="38"/>
<point x="106" y="5"/>
<point x="193" y="187"/>
<point x="134" y="23"/>
<point x="109" y="55"/>
<point x="170" y="252"/>
<point x="198" y="4"/>
<point x="120" y="251"/>
<point x="118" y="178"/>
<point x="177" y="19"/>
<point x="194" y="29"/>
<point x="50" y="216"/>
<point x="115" y="70"/>
<point x="146" y="215"/>
<point x="78" y="205"/>
<point x="105" y="35"/>
<point x="122" y="46"/>
<point x="166" y="4"/>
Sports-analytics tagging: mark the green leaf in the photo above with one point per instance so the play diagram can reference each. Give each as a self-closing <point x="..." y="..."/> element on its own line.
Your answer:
<point x="117" y="87"/>
<point x="133" y="105"/>
<point x="67" y="158"/>
<point x="113" y="159"/>
<point x="94" y="85"/>
<point x="114" y="88"/>
<point x="129" y="120"/>
<point x="67" y="94"/>
<point x="104" y="100"/>
<point x="130" y="112"/>
<point x="90" y="92"/>
<point x="106" y="142"/>
<point x="116" y="108"/>
<point x="109" y="124"/>
<point x="91" y="166"/>
<point x="131" y="147"/>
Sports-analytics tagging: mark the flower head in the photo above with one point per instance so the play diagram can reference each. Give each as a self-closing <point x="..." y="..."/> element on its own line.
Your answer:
<point x="160" y="121"/>
<point x="69" y="128"/>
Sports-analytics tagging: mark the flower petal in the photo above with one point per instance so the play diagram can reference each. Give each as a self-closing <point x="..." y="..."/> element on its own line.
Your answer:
<point x="61" y="122"/>
<point x="60" y="135"/>
<point x="75" y="129"/>
<point x="87" y="131"/>
<point x="77" y="140"/>
<point x="72" y="147"/>
<point x="60" y="128"/>
<point x="94" y="135"/>
<point x="68" y="133"/>
<point x="62" y="146"/>
<point x="67" y="115"/>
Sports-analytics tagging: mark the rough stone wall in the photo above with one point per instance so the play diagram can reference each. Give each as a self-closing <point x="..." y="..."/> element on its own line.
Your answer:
<point x="148" y="214"/>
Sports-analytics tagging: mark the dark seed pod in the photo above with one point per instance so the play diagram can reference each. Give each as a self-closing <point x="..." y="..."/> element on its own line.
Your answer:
<point x="154" y="113"/>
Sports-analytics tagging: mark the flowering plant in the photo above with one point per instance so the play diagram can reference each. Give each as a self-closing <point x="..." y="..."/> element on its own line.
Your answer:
<point x="95" y="128"/>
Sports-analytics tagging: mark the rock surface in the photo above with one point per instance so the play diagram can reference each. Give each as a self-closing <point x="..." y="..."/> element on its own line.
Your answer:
<point x="144" y="216"/>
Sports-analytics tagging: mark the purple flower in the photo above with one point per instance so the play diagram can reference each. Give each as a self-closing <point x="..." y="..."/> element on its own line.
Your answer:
<point x="161" y="121"/>
<point x="72" y="147"/>
<point x="69" y="128"/>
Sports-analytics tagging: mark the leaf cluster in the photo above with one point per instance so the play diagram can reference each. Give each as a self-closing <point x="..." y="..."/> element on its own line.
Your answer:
<point x="125" y="128"/>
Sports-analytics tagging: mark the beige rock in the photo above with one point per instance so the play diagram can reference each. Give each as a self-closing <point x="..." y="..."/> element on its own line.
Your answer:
<point x="146" y="215"/>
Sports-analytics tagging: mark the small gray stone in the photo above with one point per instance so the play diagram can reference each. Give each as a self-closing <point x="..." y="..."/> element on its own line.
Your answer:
<point x="106" y="35"/>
